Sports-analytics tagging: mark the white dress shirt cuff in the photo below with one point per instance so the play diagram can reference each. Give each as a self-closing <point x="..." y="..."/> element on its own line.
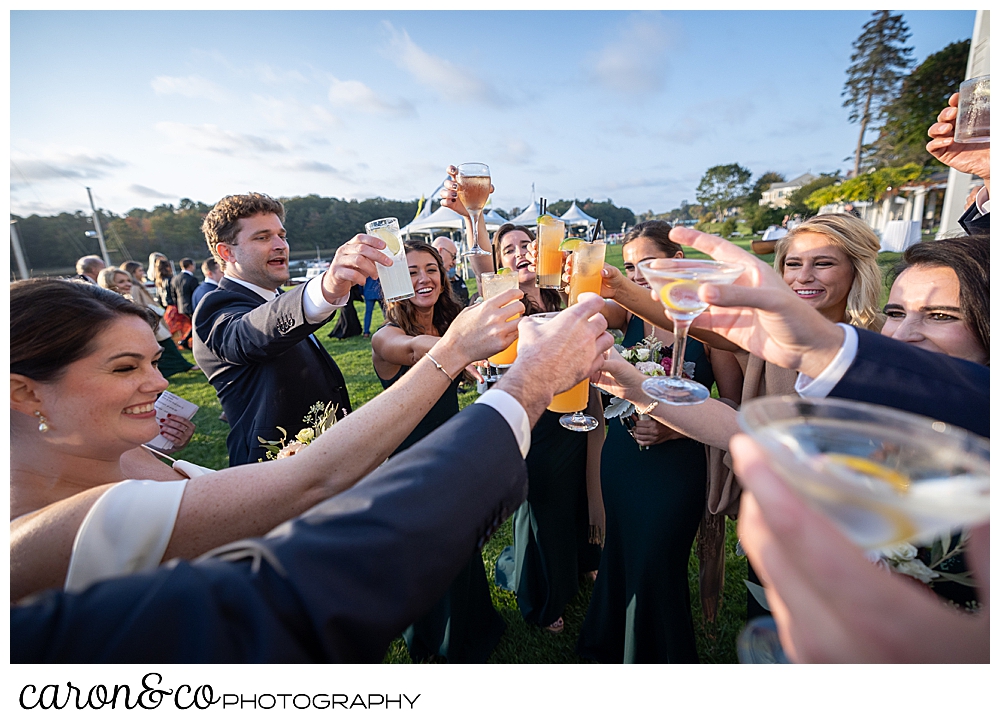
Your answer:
<point x="314" y="304"/>
<point x="513" y="413"/>
<point x="983" y="201"/>
<point x="823" y="384"/>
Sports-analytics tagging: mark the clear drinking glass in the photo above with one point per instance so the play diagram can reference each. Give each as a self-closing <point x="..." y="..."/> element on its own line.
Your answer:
<point x="492" y="285"/>
<point x="973" y="122"/>
<point x="883" y="476"/>
<point x="395" y="279"/>
<point x="573" y="401"/>
<point x="588" y="261"/>
<point x="676" y="282"/>
<point x="548" y="265"/>
<point x="474" y="191"/>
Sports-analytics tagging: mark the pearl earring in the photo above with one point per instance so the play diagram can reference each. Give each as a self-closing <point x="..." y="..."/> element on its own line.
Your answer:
<point x="43" y="424"/>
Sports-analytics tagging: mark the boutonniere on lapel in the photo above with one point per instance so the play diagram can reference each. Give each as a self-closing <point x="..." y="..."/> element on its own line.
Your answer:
<point x="285" y="323"/>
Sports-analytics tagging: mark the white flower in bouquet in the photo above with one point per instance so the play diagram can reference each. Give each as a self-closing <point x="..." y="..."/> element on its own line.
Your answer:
<point x="306" y="435"/>
<point x="916" y="569"/>
<point x="642" y="355"/>
<point x="650" y="369"/>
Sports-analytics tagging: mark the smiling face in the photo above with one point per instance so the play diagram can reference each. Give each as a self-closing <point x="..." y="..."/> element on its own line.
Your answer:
<point x="514" y="255"/>
<point x="123" y="283"/>
<point x="260" y="253"/>
<point x="639" y="250"/>
<point x="103" y="403"/>
<point x="924" y="310"/>
<point x="820" y="273"/>
<point x="426" y="275"/>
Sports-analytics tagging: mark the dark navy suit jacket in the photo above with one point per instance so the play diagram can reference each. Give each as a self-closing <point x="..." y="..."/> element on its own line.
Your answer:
<point x="264" y="364"/>
<point x="893" y="373"/>
<point x="334" y="585"/>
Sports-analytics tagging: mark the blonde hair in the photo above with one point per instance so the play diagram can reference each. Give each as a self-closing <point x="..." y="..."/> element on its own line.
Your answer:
<point x="106" y="277"/>
<point x="861" y="246"/>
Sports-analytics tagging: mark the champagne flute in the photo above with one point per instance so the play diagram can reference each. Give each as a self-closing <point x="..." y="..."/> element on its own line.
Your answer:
<point x="473" y="191"/>
<point x="676" y="282"/>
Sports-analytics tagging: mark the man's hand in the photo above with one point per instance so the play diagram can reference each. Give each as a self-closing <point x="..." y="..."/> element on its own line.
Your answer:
<point x="830" y="602"/>
<point x="555" y="355"/>
<point x="971" y="158"/>
<point x="353" y="263"/>
<point x="760" y="313"/>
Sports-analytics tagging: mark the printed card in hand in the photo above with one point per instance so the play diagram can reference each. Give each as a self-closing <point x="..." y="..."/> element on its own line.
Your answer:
<point x="169" y="403"/>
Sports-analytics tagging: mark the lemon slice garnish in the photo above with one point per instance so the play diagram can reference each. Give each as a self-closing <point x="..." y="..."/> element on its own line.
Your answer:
<point x="681" y="296"/>
<point x="872" y="469"/>
<point x="391" y="242"/>
<point x="502" y="270"/>
<point x="570" y="244"/>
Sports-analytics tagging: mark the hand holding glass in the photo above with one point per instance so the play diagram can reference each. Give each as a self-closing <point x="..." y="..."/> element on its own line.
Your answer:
<point x="676" y="283"/>
<point x="574" y="400"/>
<point x="492" y="285"/>
<point x="474" y="191"/>
<point x="395" y="279"/>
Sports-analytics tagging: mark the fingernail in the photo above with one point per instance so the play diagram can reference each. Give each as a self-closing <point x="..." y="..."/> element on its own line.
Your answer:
<point x="710" y="293"/>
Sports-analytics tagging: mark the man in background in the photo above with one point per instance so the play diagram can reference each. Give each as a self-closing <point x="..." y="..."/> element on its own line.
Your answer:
<point x="184" y="285"/>
<point x="449" y="254"/>
<point x="87" y="269"/>
<point x="213" y="275"/>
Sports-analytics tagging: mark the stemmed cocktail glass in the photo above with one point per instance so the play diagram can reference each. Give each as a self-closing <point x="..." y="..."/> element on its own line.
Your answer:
<point x="676" y="282"/>
<point x="571" y="402"/>
<point x="473" y="191"/>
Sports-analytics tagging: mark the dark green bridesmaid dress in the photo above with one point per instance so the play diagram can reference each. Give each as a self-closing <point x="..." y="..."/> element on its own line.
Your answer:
<point x="640" y="610"/>
<point x="462" y="627"/>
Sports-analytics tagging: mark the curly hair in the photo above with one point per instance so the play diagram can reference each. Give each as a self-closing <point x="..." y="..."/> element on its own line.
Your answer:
<point x="861" y="246"/>
<point x="222" y="224"/>
<point x="403" y="313"/>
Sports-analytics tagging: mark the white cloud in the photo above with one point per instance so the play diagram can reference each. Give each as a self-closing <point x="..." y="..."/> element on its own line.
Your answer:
<point x="72" y="165"/>
<point x="355" y="95"/>
<point x="448" y="80"/>
<point x="149" y="193"/>
<point x="209" y="137"/>
<point x="516" y="151"/>
<point x="193" y="86"/>
<point x="312" y="167"/>
<point x="635" y="61"/>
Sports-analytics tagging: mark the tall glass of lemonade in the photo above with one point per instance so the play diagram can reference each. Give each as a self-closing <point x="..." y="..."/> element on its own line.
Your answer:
<point x="395" y="279"/>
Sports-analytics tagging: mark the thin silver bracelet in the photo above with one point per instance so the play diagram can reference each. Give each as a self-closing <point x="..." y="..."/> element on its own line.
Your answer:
<point x="647" y="410"/>
<point x="438" y="365"/>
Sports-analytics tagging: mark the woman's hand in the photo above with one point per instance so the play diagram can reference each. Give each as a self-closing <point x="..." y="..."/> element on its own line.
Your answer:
<point x="648" y="431"/>
<point x="612" y="281"/>
<point x="177" y="430"/>
<point x="617" y="377"/>
<point x="449" y="193"/>
<point x="486" y="328"/>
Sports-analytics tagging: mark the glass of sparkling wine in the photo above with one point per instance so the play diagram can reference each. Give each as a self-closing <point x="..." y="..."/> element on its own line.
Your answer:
<point x="492" y="285"/>
<point x="548" y="266"/>
<point x="573" y="401"/>
<point x="676" y="282"/>
<point x="395" y="279"/>
<point x="473" y="191"/>
<point x="883" y="476"/>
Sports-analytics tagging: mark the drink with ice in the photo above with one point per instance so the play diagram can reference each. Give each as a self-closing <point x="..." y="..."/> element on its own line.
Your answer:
<point x="588" y="261"/>
<point x="395" y="279"/>
<point x="492" y="285"/>
<point x="548" y="265"/>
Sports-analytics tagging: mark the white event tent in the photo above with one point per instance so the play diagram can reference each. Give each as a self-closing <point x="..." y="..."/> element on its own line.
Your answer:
<point x="574" y="216"/>
<point x="528" y="217"/>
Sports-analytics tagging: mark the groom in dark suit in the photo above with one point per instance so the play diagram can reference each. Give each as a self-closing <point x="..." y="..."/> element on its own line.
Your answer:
<point x="256" y="344"/>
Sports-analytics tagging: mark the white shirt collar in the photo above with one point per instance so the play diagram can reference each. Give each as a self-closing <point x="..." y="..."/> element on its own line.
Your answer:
<point x="267" y="294"/>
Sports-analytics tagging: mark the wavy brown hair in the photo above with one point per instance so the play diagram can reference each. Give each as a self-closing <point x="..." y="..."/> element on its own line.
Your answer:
<point x="403" y="313"/>
<point x="222" y="223"/>
<point x="551" y="301"/>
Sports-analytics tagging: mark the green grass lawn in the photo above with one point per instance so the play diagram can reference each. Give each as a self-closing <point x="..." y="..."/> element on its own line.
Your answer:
<point x="521" y="643"/>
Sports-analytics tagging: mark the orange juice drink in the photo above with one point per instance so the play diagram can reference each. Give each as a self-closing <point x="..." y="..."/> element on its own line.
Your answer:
<point x="588" y="261"/>
<point x="492" y="285"/>
<point x="548" y="265"/>
<point x="572" y="400"/>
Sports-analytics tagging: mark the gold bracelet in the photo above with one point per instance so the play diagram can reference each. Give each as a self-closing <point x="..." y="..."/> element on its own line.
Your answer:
<point x="648" y="409"/>
<point x="438" y="365"/>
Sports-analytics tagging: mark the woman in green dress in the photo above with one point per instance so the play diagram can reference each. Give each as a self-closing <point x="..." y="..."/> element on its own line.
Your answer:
<point x="463" y="627"/>
<point x="653" y="480"/>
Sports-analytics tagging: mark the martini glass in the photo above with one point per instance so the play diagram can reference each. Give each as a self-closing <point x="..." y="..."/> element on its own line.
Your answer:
<point x="883" y="476"/>
<point x="473" y="191"/>
<point x="676" y="282"/>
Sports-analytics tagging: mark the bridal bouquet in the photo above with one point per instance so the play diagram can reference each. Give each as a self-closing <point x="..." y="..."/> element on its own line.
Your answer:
<point x="318" y="420"/>
<point x="647" y="357"/>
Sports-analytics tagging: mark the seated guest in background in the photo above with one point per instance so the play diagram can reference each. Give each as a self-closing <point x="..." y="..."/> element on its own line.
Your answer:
<point x="971" y="158"/>
<point x="213" y="275"/>
<point x="87" y="269"/>
<point x="449" y="253"/>
<point x="83" y="385"/>
<point x="338" y="584"/>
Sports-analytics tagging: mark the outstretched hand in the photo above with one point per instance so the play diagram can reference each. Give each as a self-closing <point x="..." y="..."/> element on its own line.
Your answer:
<point x="353" y="263"/>
<point x="486" y="328"/>
<point x="760" y="313"/>
<point x="973" y="158"/>
<point x="449" y="193"/>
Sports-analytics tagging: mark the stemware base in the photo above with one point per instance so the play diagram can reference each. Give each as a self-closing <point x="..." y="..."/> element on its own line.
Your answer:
<point x="578" y="422"/>
<point x="674" y="391"/>
<point x="476" y="251"/>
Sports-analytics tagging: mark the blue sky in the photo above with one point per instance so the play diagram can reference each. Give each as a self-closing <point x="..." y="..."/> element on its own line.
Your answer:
<point x="149" y="107"/>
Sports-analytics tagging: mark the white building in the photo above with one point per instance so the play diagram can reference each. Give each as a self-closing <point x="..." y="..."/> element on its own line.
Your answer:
<point x="777" y="194"/>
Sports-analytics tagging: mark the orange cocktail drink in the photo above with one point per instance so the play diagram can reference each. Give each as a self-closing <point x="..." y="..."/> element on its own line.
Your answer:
<point x="548" y="264"/>
<point x="588" y="261"/>
<point x="572" y="400"/>
<point x="492" y="285"/>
